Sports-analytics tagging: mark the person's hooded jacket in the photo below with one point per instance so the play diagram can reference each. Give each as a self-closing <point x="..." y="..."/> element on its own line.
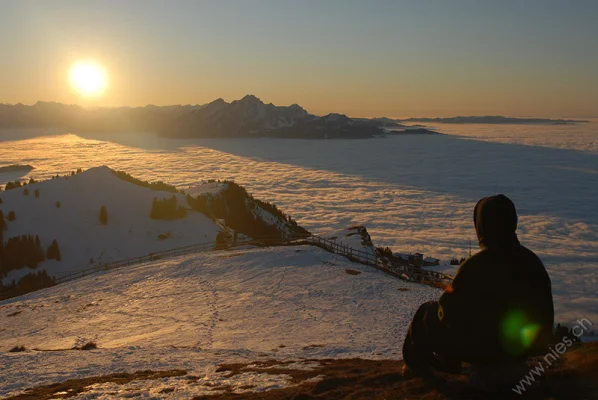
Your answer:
<point x="499" y="306"/>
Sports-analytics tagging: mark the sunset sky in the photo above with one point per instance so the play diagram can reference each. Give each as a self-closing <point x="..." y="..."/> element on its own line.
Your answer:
<point x="362" y="58"/>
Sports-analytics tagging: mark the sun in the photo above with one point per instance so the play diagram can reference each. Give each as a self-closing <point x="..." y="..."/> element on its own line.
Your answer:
<point x="88" y="78"/>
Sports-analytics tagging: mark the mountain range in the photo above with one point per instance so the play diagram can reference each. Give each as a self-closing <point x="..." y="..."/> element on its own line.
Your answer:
<point x="247" y="117"/>
<point x="496" y="119"/>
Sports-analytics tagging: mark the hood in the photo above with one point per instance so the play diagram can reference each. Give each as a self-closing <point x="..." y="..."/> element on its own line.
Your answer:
<point x="495" y="220"/>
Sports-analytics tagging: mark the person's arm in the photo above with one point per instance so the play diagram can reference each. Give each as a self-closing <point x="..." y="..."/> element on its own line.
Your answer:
<point x="546" y="313"/>
<point x="459" y="299"/>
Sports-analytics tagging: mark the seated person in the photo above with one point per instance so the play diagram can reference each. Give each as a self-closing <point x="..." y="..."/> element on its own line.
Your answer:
<point x="497" y="311"/>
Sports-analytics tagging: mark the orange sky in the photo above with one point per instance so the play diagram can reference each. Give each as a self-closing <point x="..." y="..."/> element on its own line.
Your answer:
<point x="357" y="58"/>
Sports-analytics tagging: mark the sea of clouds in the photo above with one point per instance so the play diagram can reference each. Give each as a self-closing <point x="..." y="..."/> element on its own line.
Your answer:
<point x="413" y="192"/>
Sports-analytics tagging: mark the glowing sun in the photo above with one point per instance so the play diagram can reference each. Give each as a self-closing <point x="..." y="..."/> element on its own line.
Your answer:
<point x="88" y="78"/>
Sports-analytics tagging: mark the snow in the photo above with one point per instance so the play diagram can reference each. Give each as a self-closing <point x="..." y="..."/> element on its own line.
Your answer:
<point x="212" y="188"/>
<point x="130" y="232"/>
<point x="352" y="237"/>
<point x="196" y="312"/>
<point x="271" y="219"/>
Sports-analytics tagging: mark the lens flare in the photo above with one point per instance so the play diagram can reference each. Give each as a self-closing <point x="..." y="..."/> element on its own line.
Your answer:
<point x="518" y="332"/>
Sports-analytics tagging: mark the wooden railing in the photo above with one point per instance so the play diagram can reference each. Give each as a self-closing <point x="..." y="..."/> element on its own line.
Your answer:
<point x="335" y="247"/>
<point x="409" y="273"/>
<point x="180" y="251"/>
<point x="405" y="272"/>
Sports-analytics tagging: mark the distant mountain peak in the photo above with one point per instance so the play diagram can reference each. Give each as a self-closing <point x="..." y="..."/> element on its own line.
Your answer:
<point x="218" y="103"/>
<point x="335" y="117"/>
<point x="249" y="98"/>
<point x="54" y="104"/>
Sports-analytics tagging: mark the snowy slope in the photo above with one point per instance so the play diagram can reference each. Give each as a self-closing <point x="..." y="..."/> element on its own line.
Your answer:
<point x="196" y="312"/>
<point x="269" y="218"/>
<point x="355" y="237"/>
<point x="208" y="188"/>
<point x="82" y="239"/>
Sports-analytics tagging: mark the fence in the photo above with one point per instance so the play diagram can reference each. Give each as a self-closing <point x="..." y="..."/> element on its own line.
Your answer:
<point x="180" y="251"/>
<point x="361" y="256"/>
<point x="410" y="273"/>
<point x="405" y="272"/>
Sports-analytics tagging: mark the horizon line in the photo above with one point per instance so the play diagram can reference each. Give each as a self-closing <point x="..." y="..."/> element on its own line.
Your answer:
<point x="403" y="117"/>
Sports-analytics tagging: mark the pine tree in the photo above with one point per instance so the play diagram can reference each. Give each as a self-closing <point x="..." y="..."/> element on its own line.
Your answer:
<point x="58" y="256"/>
<point x="103" y="216"/>
<point x="167" y="209"/>
<point x="53" y="252"/>
<point x="39" y="251"/>
<point x="50" y="253"/>
<point x="154" y="214"/>
<point x="12" y="185"/>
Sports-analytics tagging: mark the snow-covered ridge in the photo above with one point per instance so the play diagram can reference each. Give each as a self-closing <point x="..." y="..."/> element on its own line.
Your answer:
<point x="68" y="210"/>
<point x="241" y="213"/>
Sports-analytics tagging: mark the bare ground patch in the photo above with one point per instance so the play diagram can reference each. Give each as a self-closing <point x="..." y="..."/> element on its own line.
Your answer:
<point x="352" y="271"/>
<point x="74" y="387"/>
<point x="312" y="346"/>
<point x="14" y="313"/>
<point x="575" y="378"/>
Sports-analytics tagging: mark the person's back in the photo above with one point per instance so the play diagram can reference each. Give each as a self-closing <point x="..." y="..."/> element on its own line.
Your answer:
<point x="499" y="306"/>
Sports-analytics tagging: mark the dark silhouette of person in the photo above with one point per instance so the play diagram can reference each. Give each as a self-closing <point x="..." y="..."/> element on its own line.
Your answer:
<point x="497" y="310"/>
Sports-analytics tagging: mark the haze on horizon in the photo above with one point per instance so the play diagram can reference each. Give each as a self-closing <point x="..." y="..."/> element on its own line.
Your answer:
<point x="392" y="58"/>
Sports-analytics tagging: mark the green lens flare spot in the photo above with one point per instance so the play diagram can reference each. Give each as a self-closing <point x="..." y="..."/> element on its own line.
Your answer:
<point x="529" y="333"/>
<point x="518" y="332"/>
<point x="512" y="325"/>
